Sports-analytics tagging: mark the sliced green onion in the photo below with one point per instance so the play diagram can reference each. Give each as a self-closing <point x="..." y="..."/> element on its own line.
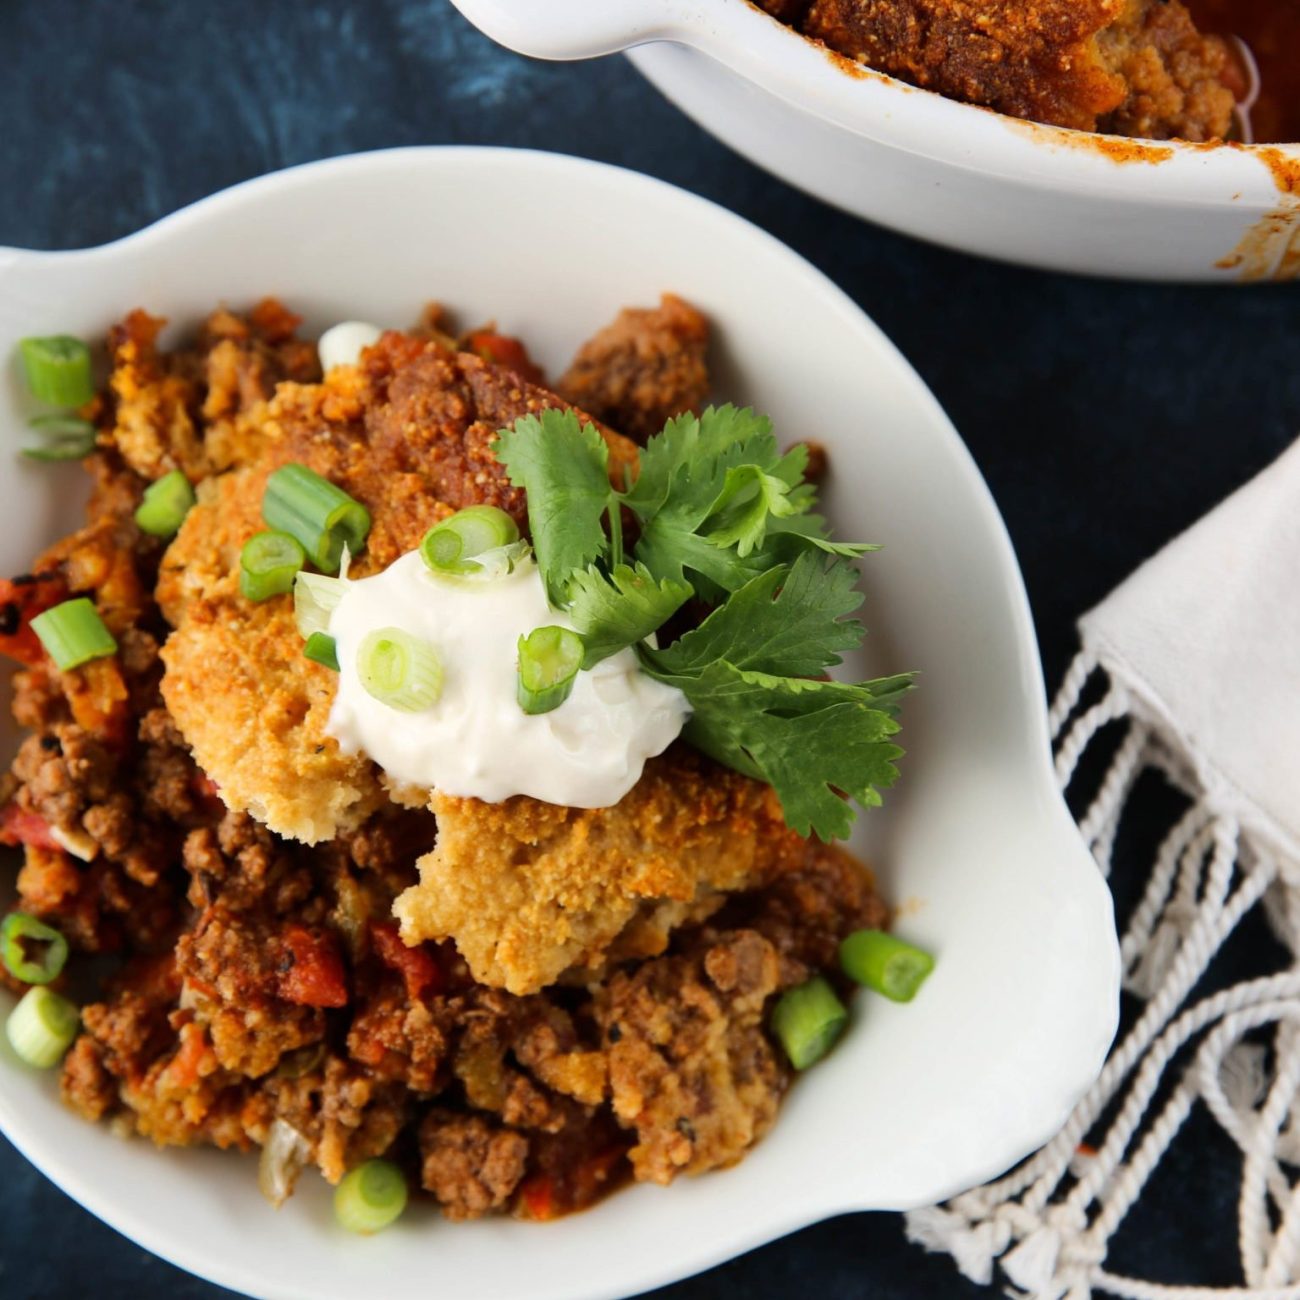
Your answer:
<point x="370" y="1197"/>
<point x="488" y="566"/>
<point x="268" y="565"/>
<point x="321" y="648"/>
<point x="315" y="598"/>
<point x="41" y="1027"/>
<point x="321" y="516"/>
<point x="68" y="437"/>
<point x="884" y="963"/>
<point x="62" y="426"/>
<point x="73" y="448"/>
<point x="807" y="1020"/>
<point x="400" y="670"/>
<point x="58" y="369"/>
<point x="452" y="547"/>
<point x="499" y="561"/>
<point x="549" y="659"/>
<point x="166" y="503"/>
<point x="73" y="633"/>
<point x="16" y="931"/>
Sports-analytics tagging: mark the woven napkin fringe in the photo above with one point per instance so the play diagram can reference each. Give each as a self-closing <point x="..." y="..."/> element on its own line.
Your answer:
<point x="1043" y="1230"/>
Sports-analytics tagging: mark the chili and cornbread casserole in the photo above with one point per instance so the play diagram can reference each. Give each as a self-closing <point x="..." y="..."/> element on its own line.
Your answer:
<point x="521" y="1004"/>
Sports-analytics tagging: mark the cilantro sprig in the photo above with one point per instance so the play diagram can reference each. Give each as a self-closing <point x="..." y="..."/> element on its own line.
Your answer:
<point x="721" y="515"/>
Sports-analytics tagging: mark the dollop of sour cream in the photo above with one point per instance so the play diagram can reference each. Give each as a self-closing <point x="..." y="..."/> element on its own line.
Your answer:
<point x="476" y="740"/>
<point x="341" y="344"/>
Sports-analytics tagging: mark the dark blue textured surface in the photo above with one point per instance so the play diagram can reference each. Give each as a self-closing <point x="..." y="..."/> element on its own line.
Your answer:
<point x="1105" y="416"/>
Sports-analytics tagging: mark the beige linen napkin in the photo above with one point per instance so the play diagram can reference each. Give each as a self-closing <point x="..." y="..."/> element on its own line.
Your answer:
<point x="1190" y="669"/>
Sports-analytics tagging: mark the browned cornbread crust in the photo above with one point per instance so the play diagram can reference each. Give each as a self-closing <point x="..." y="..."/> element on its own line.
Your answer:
<point x="1133" y="67"/>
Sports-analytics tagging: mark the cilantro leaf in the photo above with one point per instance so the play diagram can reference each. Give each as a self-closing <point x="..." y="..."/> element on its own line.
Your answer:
<point x="622" y="609"/>
<point x="562" y="466"/>
<point x="790" y="535"/>
<point x="789" y="621"/>
<point x="676" y="555"/>
<point x="887" y="692"/>
<point x="682" y="462"/>
<point x="748" y="498"/>
<point x="791" y="469"/>
<point x="813" y="742"/>
<point x="683" y="491"/>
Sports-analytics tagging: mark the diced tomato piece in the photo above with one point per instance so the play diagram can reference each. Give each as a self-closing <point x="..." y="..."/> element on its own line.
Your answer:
<point x="504" y="351"/>
<point x="185" y="1066"/>
<point x="21" y="599"/>
<point x="313" y="970"/>
<point x="415" y="965"/>
<point x="18" y="826"/>
<point x="537" y="1197"/>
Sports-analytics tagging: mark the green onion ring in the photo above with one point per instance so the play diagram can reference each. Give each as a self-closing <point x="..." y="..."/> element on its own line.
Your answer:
<point x="41" y="1027"/>
<point x="887" y="964"/>
<point x="449" y="547"/>
<point x="321" y="516"/>
<point x="73" y="634"/>
<point x="321" y="648"/>
<point x="57" y="369"/>
<point x="807" y="1020"/>
<point x="18" y="929"/>
<point x="371" y="1197"/>
<point x="549" y="659"/>
<point x="166" y="503"/>
<point x="268" y="565"/>
<point x="399" y="670"/>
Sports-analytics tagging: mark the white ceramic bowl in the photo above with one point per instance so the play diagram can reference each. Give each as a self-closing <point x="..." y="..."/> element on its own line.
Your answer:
<point x="919" y="1101"/>
<point x="945" y="171"/>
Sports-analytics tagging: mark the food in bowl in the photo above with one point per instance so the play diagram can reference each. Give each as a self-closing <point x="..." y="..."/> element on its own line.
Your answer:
<point x="575" y="995"/>
<point x="1143" y="68"/>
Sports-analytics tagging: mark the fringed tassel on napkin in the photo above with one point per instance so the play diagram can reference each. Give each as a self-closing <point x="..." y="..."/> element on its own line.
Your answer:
<point x="1044" y="1228"/>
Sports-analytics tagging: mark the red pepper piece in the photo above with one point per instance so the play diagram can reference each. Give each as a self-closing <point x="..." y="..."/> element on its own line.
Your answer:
<point x="537" y="1197"/>
<point x="415" y="965"/>
<point x="504" y="351"/>
<point x="21" y="599"/>
<point x="18" y="826"/>
<point x="311" y="971"/>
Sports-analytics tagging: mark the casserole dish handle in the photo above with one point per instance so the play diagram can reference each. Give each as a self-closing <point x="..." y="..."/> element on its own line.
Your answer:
<point x="574" y="29"/>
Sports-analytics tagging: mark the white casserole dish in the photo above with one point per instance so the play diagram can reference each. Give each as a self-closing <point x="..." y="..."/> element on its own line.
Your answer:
<point x="975" y="843"/>
<point x="928" y="166"/>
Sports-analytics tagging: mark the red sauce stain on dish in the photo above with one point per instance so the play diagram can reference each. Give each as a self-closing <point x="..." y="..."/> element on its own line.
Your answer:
<point x="1117" y="148"/>
<point x="852" y="68"/>
<point x="1285" y="166"/>
<point x="1269" y="250"/>
<point x="1122" y="150"/>
<point x="1271" y="31"/>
